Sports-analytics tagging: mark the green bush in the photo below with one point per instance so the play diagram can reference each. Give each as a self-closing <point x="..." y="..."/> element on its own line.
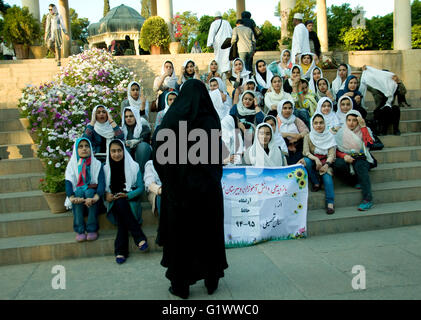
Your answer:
<point x="129" y="52"/>
<point x="356" y="38"/>
<point x="154" y="32"/>
<point x="268" y="40"/>
<point x="416" y="37"/>
<point x="20" y="27"/>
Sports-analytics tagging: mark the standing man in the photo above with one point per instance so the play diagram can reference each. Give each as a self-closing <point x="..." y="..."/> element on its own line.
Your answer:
<point x="314" y="40"/>
<point x="54" y="27"/>
<point x="246" y="43"/>
<point x="300" y="38"/>
<point x="219" y="31"/>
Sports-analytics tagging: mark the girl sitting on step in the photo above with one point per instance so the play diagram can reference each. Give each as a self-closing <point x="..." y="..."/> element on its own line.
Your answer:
<point x="85" y="184"/>
<point x="123" y="188"/>
<point x="153" y="186"/>
<point x="136" y="99"/>
<point x="164" y="83"/>
<point x="189" y="70"/>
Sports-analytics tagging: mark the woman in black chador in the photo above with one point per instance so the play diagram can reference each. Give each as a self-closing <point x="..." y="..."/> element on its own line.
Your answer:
<point x="191" y="226"/>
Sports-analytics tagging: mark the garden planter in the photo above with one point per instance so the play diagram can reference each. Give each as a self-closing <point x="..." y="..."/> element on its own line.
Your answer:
<point x="156" y="50"/>
<point x="38" y="52"/>
<point x="56" y="201"/>
<point x="22" y="51"/>
<point x="175" y="47"/>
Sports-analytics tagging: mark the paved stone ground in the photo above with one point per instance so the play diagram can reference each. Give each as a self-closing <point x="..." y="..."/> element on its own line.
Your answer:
<point x="313" y="268"/>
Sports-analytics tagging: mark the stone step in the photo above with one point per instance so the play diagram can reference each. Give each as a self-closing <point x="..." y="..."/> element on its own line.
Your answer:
<point x="396" y="172"/>
<point x="6" y="114"/>
<point x="348" y="219"/>
<point x="17" y="151"/>
<point x="29" y="223"/>
<point x="407" y="126"/>
<point x="20" y="182"/>
<point x="22" y="202"/>
<point x="398" y="154"/>
<point x="17" y="166"/>
<point x="10" y="125"/>
<point x="406" y="139"/>
<point x="59" y="246"/>
<point x="386" y="192"/>
<point x="412" y="113"/>
<point x="15" y="137"/>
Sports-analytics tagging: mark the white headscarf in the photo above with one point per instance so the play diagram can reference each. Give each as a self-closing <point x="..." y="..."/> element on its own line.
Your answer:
<point x="337" y="84"/>
<point x="170" y="81"/>
<point x="244" y="73"/>
<point x="242" y="110"/>
<point x="331" y="119"/>
<point x="301" y="73"/>
<point x="218" y="103"/>
<point x="235" y="146"/>
<point x="351" y="141"/>
<point x="274" y="97"/>
<point x="72" y="169"/>
<point x="277" y="136"/>
<point x="322" y="141"/>
<point x="265" y="83"/>
<point x="309" y="72"/>
<point x="166" y="100"/>
<point x="339" y="114"/>
<point x="287" y="124"/>
<point x="312" y="85"/>
<point x="257" y="154"/>
<point x="137" y="129"/>
<point x="185" y="65"/>
<point x="221" y="84"/>
<point x="105" y="129"/>
<point x="134" y="103"/>
<point x="131" y="169"/>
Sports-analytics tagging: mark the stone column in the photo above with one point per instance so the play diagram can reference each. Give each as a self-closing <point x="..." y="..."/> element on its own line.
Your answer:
<point x="402" y="38"/>
<point x="286" y="7"/>
<point x="63" y="10"/>
<point x="154" y="10"/>
<point x="136" y="44"/>
<point x="33" y="6"/>
<point x="241" y="6"/>
<point x="165" y="11"/>
<point x="322" y="25"/>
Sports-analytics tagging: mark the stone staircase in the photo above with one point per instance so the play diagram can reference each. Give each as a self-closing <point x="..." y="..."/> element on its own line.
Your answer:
<point x="29" y="232"/>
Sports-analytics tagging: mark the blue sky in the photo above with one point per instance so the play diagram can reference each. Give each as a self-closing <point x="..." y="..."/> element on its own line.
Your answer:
<point x="261" y="9"/>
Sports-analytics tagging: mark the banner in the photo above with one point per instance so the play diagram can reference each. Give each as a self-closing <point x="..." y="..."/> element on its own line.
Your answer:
<point x="262" y="204"/>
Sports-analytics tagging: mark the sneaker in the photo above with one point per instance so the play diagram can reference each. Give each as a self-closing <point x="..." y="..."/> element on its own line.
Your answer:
<point x="144" y="246"/>
<point x="365" y="205"/>
<point x="80" y="237"/>
<point x="92" y="236"/>
<point x="120" y="260"/>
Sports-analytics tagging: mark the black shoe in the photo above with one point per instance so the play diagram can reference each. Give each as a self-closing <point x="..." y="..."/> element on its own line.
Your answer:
<point x="211" y="285"/>
<point x="397" y="132"/>
<point x="183" y="294"/>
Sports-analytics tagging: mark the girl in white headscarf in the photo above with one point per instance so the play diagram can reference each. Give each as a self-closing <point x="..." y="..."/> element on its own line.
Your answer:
<point x="277" y="136"/>
<point x="124" y="187"/>
<point x="344" y="71"/>
<point x="232" y="139"/>
<point x="283" y="66"/>
<point x="316" y="74"/>
<point x="136" y="99"/>
<point x="169" y="99"/>
<point x="291" y="83"/>
<point x="319" y="151"/>
<point x="263" y="76"/>
<point x="353" y="158"/>
<point x="264" y="152"/>
<point x="275" y="94"/>
<point x="189" y="70"/>
<point x="247" y="110"/>
<point x="344" y="106"/>
<point x="307" y="63"/>
<point x="167" y="79"/>
<point x="85" y="184"/>
<point x="137" y="135"/>
<point x="102" y="129"/>
<point x="212" y="73"/>
<point x="323" y="90"/>
<point x="219" y="99"/>
<point x="239" y="73"/>
<point x="325" y="107"/>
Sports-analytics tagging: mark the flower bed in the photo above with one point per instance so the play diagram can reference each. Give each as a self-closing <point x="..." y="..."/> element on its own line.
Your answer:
<point x="58" y="111"/>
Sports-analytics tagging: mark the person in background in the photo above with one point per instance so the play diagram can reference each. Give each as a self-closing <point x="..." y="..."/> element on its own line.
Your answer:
<point x="6" y="50"/>
<point x="249" y="22"/>
<point x="300" y="38"/>
<point x="196" y="48"/>
<point x="314" y="40"/>
<point x="54" y="26"/>
<point x="246" y="43"/>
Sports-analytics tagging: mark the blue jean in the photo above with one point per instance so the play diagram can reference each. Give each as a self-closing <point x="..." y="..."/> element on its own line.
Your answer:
<point x="78" y="209"/>
<point x="247" y="57"/>
<point x="142" y="154"/>
<point x="303" y="115"/>
<point x="327" y="180"/>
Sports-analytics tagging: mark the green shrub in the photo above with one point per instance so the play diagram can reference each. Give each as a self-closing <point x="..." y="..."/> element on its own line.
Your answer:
<point x="268" y="40"/>
<point x="129" y="52"/>
<point x="154" y="32"/>
<point x="416" y="37"/>
<point x="20" y="27"/>
<point x="355" y="38"/>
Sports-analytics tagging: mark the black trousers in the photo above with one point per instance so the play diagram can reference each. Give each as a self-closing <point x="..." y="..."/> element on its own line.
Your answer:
<point x="126" y="223"/>
<point x="384" y="115"/>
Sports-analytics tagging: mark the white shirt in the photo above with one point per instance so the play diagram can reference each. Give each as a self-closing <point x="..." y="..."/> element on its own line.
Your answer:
<point x="300" y="41"/>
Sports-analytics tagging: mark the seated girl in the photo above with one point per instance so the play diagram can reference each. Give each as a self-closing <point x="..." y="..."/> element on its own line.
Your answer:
<point x="124" y="186"/>
<point x="296" y="74"/>
<point x="292" y="129"/>
<point x="307" y="63"/>
<point x="136" y="99"/>
<point x="283" y="66"/>
<point x="263" y="76"/>
<point x="85" y="185"/>
<point x="232" y="137"/>
<point x="316" y="75"/>
<point x="325" y="107"/>
<point x="323" y="90"/>
<point x="344" y="106"/>
<point x="343" y="72"/>
<point x="169" y="99"/>
<point x="277" y="137"/>
<point x="251" y="85"/>
<point x="247" y="110"/>
<point x="219" y="100"/>
<point x="305" y="102"/>
<point x="239" y="74"/>
<point x="167" y="81"/>
<point x="102" y="129"/>
<point x="351" y="90"/>
<point x="153" y="186"/>
<point x="353" y="159"/>
<point x="189" y="70"/>
<point x="212" y="73"/>
<point x="137" y="135"/>
<point x="319" y="153"/>
<point x="275" y="94"/>
<point x="218" y="83"/>
<point x="264" y="152"/>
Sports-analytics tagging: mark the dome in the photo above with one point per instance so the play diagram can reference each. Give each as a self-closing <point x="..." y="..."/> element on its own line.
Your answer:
<point x="121" y="18"/>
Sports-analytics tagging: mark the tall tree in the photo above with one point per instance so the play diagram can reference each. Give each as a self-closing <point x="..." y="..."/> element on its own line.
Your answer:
<point x="3" y="7"/>
<point x="338" y="18"/>
<point x="106" y="7"/>
<point x="79" y="26"/>
<point x="306" y="7"/>
<point x="146" y="9"/>
<point x="190" y="27"/>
